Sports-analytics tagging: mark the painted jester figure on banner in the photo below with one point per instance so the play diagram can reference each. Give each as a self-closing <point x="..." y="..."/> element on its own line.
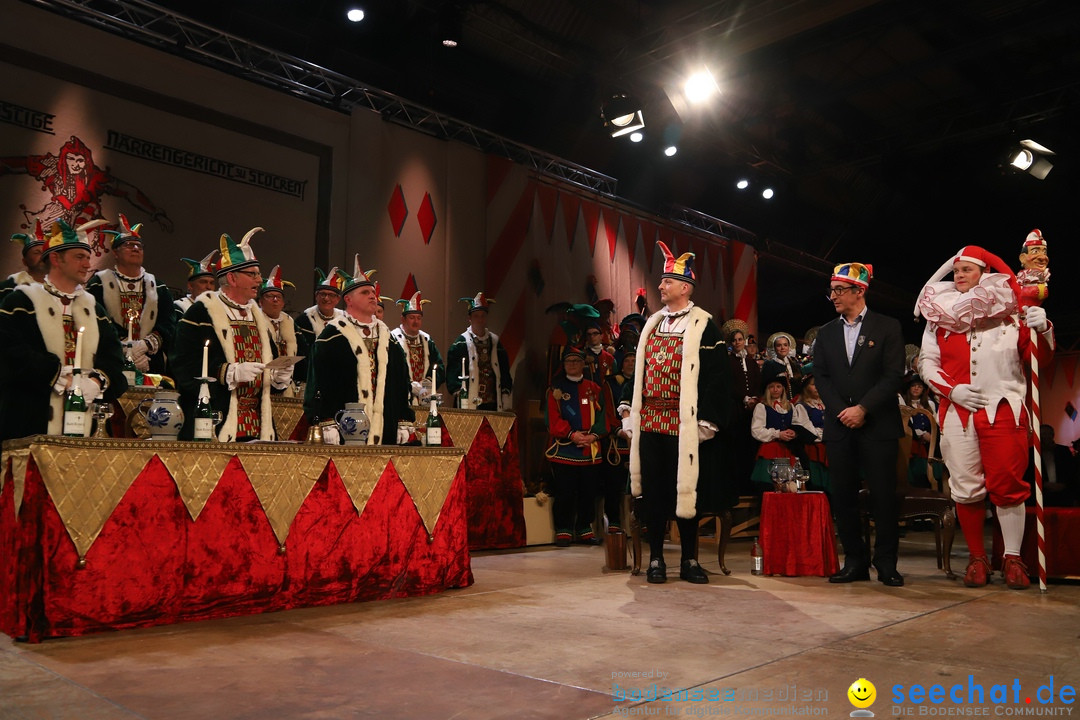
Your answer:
<point x="139" y="306"/>
<point x="677" y="414"/>
<point x="973" y="352"/>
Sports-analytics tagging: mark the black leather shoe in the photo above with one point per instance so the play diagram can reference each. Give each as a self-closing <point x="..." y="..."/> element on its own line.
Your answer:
<point x="850" y="573"/>
<point x="657" y="572"/>
<point x="691" y="572"/>
<point x="891" y="578"/>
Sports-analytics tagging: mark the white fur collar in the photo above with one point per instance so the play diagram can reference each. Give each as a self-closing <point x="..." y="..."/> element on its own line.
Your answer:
<point x="110" y="284"/>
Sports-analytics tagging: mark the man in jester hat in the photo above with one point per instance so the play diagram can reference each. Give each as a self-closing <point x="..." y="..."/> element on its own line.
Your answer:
<point x="236" y="336"/>
<point x="481" y="356"/>
<point x="200" y="279"/>
<point x="135" y="300"/>
<point x="311" y="322"/>
<point x="974" y="347"/>
<point x="356" y="360"/>
<point x="39" y="340"/>
<point x="271" y="299"/>
<point x="676" y="413"/>
<point x="35" y="266"/>
<point x="419" y="348"/>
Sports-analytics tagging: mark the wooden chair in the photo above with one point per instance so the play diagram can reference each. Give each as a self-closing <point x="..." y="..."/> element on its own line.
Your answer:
<point x="725" y="528"/>
<point x="915" y="503"/>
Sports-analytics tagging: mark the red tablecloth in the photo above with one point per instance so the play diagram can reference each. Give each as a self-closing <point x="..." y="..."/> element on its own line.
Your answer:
<point x="1062" y="532"/>
<point x="153" y="565"/>
<point x="797" y="535"/>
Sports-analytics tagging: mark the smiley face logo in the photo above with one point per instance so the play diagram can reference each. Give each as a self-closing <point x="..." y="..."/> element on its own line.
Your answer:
<point x="862" y="693"/>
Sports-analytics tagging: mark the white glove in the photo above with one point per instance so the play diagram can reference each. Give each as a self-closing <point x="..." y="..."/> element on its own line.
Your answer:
<point x="704" y="432"/>
<point x="968" y="398"/>
<point x="1035" y="318"/>
<point x="627" y="427"/>
<point x="403" y="436"/>
<point x="91" y="391"/>
<point x="417" y="389"/>
<point x="142" y="363"/>
<point x="281" y="377"/>
<point x="247" y="372"/>
<point x="139" y="349"/>
<point x="504" y="401"/>
<point x="62" y="380"/>
<point x="330" y="435"/>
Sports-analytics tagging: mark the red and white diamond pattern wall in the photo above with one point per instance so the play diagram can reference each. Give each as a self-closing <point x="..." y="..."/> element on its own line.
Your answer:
<point x="543" y="242"/>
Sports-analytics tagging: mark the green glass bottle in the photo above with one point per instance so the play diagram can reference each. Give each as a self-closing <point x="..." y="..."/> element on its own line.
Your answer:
<point x="434" y="428"/>
<point x="204" y="420"/>
<point x="75" y="408"/>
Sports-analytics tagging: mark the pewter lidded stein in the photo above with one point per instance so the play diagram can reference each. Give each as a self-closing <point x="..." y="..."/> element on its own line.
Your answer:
<point x="164" y="416"/>
<point x="354" y="424"/>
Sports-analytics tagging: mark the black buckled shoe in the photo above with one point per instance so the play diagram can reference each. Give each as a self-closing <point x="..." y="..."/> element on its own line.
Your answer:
<point x="691" y="572"/>
<point x="657" y="572"/>
<point x="850" y="573"/>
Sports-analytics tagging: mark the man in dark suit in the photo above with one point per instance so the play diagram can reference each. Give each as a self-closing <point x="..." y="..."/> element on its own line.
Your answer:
<point x="859" y="366"/>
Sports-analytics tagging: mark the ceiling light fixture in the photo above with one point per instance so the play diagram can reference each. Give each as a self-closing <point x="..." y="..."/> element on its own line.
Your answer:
<point x="767" y="193"/>
<point x="451" y="22"/>
<point x="743" y="184"/>
<point x="355" y="14"/>
<point x="622" y="115"/>
<point x="700" y="87"/>
<point x="1031" y="157"/>
<point x="636" y="137"/>
<point x="670" y="150"/>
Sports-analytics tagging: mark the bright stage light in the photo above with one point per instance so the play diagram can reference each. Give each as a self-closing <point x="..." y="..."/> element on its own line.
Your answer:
<point x="636" y="137"/>
<point x="670" y="150"/>
<point x="355" y="14"/>
<point x="700" y="87"/>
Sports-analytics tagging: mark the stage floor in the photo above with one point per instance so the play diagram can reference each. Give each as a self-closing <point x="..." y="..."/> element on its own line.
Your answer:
<point x="546" y="633"/>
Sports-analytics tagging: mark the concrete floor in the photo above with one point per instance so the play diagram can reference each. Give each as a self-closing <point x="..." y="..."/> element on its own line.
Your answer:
<point x="546" y="633"/>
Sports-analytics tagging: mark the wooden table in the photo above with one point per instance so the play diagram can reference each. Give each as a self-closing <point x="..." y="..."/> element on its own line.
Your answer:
<point x="110" y="534"/>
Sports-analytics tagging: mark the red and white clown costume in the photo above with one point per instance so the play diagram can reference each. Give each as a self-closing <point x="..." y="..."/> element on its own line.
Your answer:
<point x="974" y="350"/>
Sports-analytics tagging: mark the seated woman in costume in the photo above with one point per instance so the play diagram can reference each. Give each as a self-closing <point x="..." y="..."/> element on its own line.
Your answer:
<point x="915" y="395"/>
<point x="771" y="426"/>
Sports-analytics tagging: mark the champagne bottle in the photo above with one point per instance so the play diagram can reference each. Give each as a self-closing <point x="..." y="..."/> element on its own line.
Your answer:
<point x="204" y="420"/>
<point x="131" y="373"/>
<point x="75" y="409"/>
<point x="434" y="429"/>
<point x="757" y="561"/>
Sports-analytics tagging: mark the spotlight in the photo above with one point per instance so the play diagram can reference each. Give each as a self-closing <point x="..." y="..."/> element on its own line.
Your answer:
<point x="355" y="14"/>
<point x="1031" y="157"/>
<point x="700" y="87"/>
<point x="767" y="193"/>
<point x="622" y="115"/>
<point x="743" y="184"/>
<point x="670" y="150"/>
<point x="636" y="137"/>
<point x="451" y="20"/>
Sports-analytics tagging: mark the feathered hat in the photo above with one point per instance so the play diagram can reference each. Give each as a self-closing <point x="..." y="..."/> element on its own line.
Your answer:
<point x="415" y="304"/>
<point x="481" y="303"/>
<point x="359" y="278"/>
<point x="236" y="256"/>
<point x="126" y="232"/>
<point x="678" y="268"/>
<point x="30" y="241"/>
<point x="64" y="237"/>
<point x="200" y="268"/>
<point x="274" y="283"/>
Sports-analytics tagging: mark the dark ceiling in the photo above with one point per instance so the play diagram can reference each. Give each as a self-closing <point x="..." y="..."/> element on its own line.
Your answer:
<point x="882" y="125"/>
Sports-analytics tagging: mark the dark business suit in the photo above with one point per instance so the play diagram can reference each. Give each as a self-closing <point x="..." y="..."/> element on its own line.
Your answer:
<point x="871" y="379"/>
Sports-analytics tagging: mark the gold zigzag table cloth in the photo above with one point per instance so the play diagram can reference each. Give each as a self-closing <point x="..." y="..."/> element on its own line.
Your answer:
<point x="86" y="478"/>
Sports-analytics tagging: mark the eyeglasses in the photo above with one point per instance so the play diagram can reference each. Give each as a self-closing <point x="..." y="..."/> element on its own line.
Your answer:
<point x="250" y="273"/>
<point x="838" y="291"/>
<point x="130" y="245"/>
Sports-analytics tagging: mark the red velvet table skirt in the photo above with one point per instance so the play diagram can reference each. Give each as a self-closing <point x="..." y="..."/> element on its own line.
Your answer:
<point x="1062" y="530"/>
<point x="153" y="565"/>
<point x="797" y="535"/>
<point x="494" y="490"/>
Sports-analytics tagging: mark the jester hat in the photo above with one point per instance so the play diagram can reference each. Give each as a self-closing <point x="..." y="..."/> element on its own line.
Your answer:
<point x="64" y="237"/>
<point x="480" y="302"/>
<point x="359" y="278"/>
<point x="30" y="241"/>
<point x="415" y="304"/>
<point x="126" y="232"/>
<point x="678" y="268"/>
<point x="274" y="283"/>
<point x="855" y="273"/>
<point x="200" y="268"/>
<point x="236" y="256"/>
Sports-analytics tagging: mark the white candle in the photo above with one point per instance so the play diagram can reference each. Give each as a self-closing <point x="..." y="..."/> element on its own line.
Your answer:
<point x="462" y="367"/>
<point x="130" y="323"/>
<point x="78" y="348"/>
<point x="433" y="366"/>
<point x="205" y="355"/>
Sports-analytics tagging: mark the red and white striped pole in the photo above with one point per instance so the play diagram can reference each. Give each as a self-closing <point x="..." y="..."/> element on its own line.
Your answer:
<point x="1033" y="279"/>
